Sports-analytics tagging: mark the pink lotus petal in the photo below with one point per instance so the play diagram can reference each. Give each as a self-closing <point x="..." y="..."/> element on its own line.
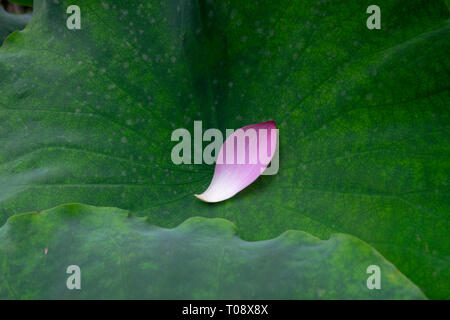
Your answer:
<point x="236" y="170"/>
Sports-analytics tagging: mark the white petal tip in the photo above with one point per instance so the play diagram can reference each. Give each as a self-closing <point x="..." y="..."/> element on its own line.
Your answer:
<point x="204" y="198"/>
<point x="199" y="196"/>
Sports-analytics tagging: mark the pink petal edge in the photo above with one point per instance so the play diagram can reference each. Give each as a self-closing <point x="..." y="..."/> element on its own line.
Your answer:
<point x="229" y="179"/>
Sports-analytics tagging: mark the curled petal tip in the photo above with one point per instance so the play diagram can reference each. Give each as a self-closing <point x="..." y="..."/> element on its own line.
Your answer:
<point x="199" y="196"/>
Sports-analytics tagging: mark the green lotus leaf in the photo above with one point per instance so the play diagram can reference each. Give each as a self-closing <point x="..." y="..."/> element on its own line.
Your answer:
<point x="10" y="22"/>
<point x="122" y="257"/>
<point x="87" y="116"/>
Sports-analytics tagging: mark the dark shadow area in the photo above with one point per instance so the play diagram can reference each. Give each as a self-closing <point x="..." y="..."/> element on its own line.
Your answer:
<point x="15" y="8"/>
